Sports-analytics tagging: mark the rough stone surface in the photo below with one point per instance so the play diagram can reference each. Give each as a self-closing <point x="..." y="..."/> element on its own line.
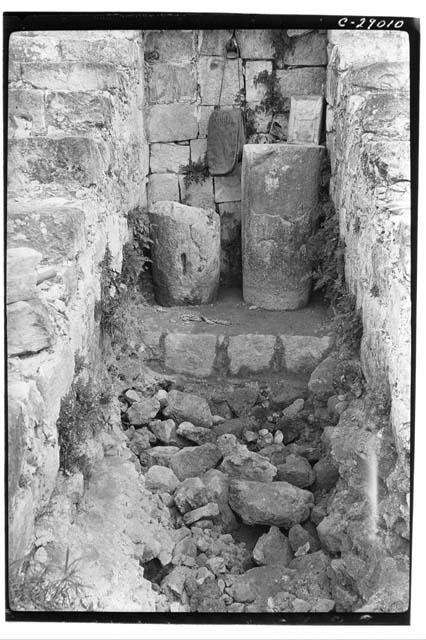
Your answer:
<point x="162" y="455"/>
<point x="170" y="83"/>
<point x="248" y="465"/>
<point x="171" y="122"/>
<point x="195" y="461"/>
<point x="29" y="328"/>
<point x="303" y="353"/>
<point x="234" y="427"/>
<point x="168" y="157"/>
<point x="185" y="253"/>
<point x="278" y="213"/>
<point x="161" y="479"/>
<point x="321" y="380"/>
<point x="250" y="352"/>
<point x="191" y="494"/>
<point x="197" y="194"/>
<point x="21" y="274"/>
<point x="309" y="49"/>
<point x="274" y="503"/>
<point x="272" y="548"/>
<point x="326" y="473"/>
<point x="164" y="430"/>
<point x="210" y="71"/>
<point x="296" y="470"/>
<point x="177" y="47"/>
<point x="187" y="406"/>
<point x="140" y="413"/>
<point x="304" y="126"/>
<point x="200" y="435"/>
<point x="163" y="186"/>
<point x="210" y="510"/>
<point x="193" y="354"/>
<point x="301" y="81"/>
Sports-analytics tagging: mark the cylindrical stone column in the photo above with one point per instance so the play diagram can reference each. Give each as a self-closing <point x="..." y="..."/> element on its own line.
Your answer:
<point x="185" y="253"/>
<point x="279" y="207"/>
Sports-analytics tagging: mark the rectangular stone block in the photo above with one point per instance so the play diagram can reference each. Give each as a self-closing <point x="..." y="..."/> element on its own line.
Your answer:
<point x="193" y="354"/>
<point x="29" y="328"/>
<point x="310" y="49"/>
<point x="363" y="48"/>
<point x="171" y="83"/>
<point x="256" y="92"/>
<point x="171" y="122"/>
<point x="228" y="188"/>
<point x="197" y="194"/>
<point x="163" y="186"/>
<point x="75" y="112"/>
<point x="250" y="352"/>
<point x="169" y="46"/>
<point x="212" y="42"/>
<point x="305" y="120"/>
<point x="70" y="76"/>
<point x="256" y="44"/>
<point x="105" y="49"/>
<point x="303" y="353"/>
<point x="33" y="49"/>
<point x="168" y="158"/>
<point x="210" y="70"/>
<point x="198" y="150"/>
<point x="21" y="274"/>
<point x="279" y="205"/>
<point x="301" y="81"/>
<point x="26" y="113"/>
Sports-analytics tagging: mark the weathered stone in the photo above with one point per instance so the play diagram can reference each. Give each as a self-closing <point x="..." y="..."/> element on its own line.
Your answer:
<point x="169" y="46"/>
<point x="191" y="494"/>
<point x="234" y="426"/>
<point x="272" y="548"/>
<point x="164" y="430"/>
<point x="243" y="399"/>
<point x="273" y="503"/>
<point x="370" y="47"/>
<point x="21" y="274"/>
<point x="303" y="353"/>
<point x="212" y="42"/>
<point x="163" y="186"/>
<point x="228" y="444"/>
<point x="198" y="150"/>
<point x="171" y="83"/>
<point x="304" y="126"/>
<point x="140" y="442"/>
<point x="159" y="478"/>
<point x="162" y="456"/>
<point x="321" y="380"/>
<point x="165" y="158"/>
<point x="301" y="81"/>
<point x="255" y="44"/>
<point x="171" y="122"/>
<point x="77" y="112"/>
<point x="296" y="470"/>
<point x="199" y="435"/>
<point x="278" y="213"/>
<point x="291" y="428"/>
<point x="251" y="352"/>
<point x="326" y="473"/>
<point x="70" y="76"/>
<point x="293" y="409"/>
<point x="310" y="49"/>
<point x="175" y="580"/>
<point x="210" y="71"/>
<point x="26" y="113"/>
<point x="190" y="353"/>
<point x="248" y="465"/>
<point x="228" y="188"/>
<point x="187" y="406"/>
<point x="209" y="510"/>
<point x="185" y="253"/>
<point x="141" y="413"/>
<point x="255" y="92"/>
<point x="203" y="116"/>
<point x="330" y="534"/>
<point x="195" y="461"/>
<point x="29" y="328"/>
<point x="197" y="194"/>
<point x="230" y="242"/>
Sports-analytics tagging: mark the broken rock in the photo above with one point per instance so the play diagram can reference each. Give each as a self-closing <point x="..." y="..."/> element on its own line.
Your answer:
<point x="243" y="463"/>
<point x="191" y="494"/>
<point x="161" y="479"/>
<point x="272" y="548"/>
<point x="209" y="510"/>
<point x="188" y="407"/>
<point x="200" y="435"/>
<point x="140" y="413"/>
<point x="297" y="471"/>
<point x="195" y="461"/>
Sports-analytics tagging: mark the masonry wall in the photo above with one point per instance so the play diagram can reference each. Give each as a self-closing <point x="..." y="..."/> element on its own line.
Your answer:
<point x="368" y="137"/>
<point x="184" y="72"/>
<point x="77" y="166"/>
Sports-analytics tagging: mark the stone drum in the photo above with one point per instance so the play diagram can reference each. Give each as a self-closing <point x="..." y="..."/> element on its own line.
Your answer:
<point x="185" y="253"/>
<point x="279" y="210"/>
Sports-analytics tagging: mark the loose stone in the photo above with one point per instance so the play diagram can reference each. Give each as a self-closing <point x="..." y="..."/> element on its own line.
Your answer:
<point x="207" y="511"/>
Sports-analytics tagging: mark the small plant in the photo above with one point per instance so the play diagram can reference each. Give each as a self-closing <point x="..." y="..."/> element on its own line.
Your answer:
<point x="34" y="586"/>
<point x="195" y="172"/>
<point x="136" y="251"/>
<point x="106" y="308"/>
<point x="374" y="291"/>
<point x="273" y="101"/>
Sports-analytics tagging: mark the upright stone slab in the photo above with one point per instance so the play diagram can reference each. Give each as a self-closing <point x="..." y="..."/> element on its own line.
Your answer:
<point x="185" y="253"/>
<point x="279" y="208"/>
<point x="304" y="124"/>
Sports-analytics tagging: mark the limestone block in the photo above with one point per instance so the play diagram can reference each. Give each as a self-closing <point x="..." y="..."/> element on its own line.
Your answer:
<point x="102" y="50"/>
<point x="255" y="93"/>
<point x="197" y="194"/>
<point x="303" y="353"/>
<point x="169" y="46"/>
<point x="230" y="242"/>
<point x="165" y="158"/>
<point x="185" y="253"/>
<point x="304" y="126"/>
<point x="387" y="114"/>
<point x="252" y="352"/>
<point x="171" y="83"/>
<point x="163" y="186"/>
<point x="79" y="160"/>
<point x="75" y="112"/>
<point x="362" y="48"/>
<point x="212" y="42"/>
<point x="54" y="227"/>
<point x="21" y="274"/>
<point x="193" y="354"/>
<point x="279" y="202"/>
<point x="26" y="112"/>
<point x="29" y="328"/>
<point x="34" y="49"/>
<point x="210" y="70"/>
<point x="228" y="188"/>
<point x="394" y="76"/>
<point x="69" y="76"/>
<point x="198" y="150"/>
<point x="301" y="81"/>
<point x="310" y="49"/>
<point x="171" y="122"/>
<point x="203" y="116"/>
<point x="255" y="44"/>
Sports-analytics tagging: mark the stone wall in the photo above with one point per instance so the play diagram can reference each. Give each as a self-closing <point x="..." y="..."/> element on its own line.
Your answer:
<point x="184" y="72"/>
<point x="368" y="137"/>
<point x="77" y="165"/>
